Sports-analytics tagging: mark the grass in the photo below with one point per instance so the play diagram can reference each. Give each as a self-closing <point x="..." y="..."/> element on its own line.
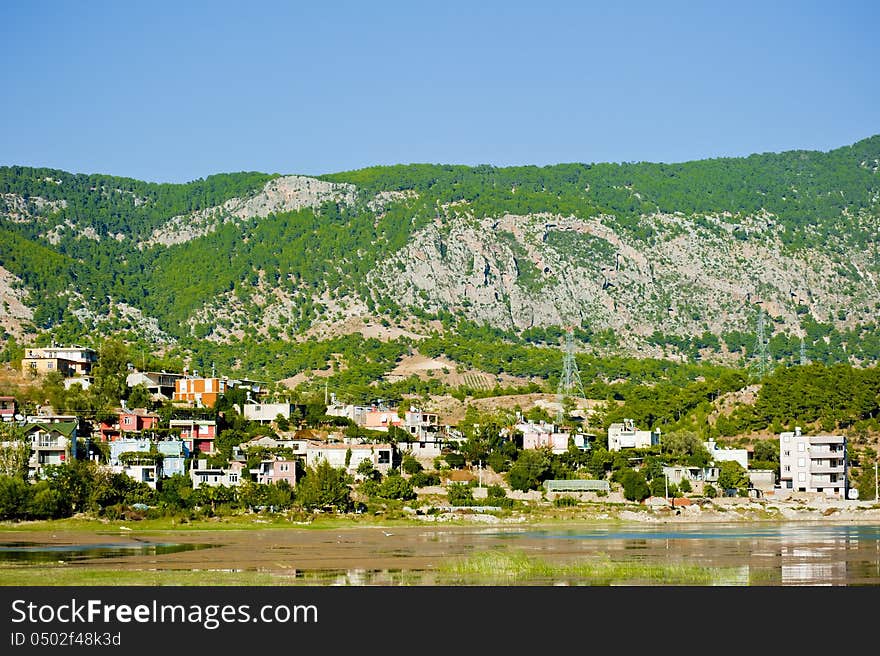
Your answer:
<point x="61" y="575"/>
<point x="518" y="568"/>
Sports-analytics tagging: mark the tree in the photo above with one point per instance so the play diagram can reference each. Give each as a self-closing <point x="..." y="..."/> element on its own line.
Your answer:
<point x="635" y="486"/>
<point x="410" y="465"/>
<point x="15" y="451"/>
<point x="529" y="470"/>
<point x="732" y="476"/>
<point x="139" y="397"/>
<point x="14" y="497"/>
<point x="324" y="486"/>
<point x="109" y="373"/>
<point x="396" y="487"/>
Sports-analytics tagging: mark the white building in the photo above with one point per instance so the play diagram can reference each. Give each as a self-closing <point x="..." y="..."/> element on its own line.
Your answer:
<point x="719" y="454"/>
<point x="625" y="436"/>
<point x="381" y="455"/>
<point x="216" y="476"/>
<point x="266" y="413"/>
<point x="813" y="463"/>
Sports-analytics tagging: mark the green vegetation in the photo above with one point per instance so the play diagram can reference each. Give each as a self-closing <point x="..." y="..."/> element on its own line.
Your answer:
<point x="518" y="568"/>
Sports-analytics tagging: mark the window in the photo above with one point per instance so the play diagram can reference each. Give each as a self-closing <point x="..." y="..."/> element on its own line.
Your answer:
<point x="802" y="477"/>
<point x="786" y="452"/>
<point x="802" y="446"/>
<point x="786" y="438"/>
<point x="788" y="468"/>
<point x="802" y="462"/>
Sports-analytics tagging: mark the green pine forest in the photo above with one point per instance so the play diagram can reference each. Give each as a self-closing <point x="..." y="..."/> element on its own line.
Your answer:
<point x="75" y="281"/>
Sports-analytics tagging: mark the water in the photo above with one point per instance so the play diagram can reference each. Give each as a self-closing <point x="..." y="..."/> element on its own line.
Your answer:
<point x="767" y="554"/>
<point x="32" y="552"/>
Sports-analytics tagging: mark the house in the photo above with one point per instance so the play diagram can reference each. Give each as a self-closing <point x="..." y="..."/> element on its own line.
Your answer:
<point x="160" y="384"/>
<point x="160" y="458"/>
<point x="127" y="422"/>
<point x="266" y="413"/>
<point x="138" y="461"/>
<point x="678" y="473"/>
<point x="174" y="454"/>
<point x="69" y="360"/>
<point x="624" y="435"/>
<point x="8" y="408"/>
<point x="538" y="435"/>
<point x="272" y="443"/>
<point x="337" y="455"/>
<point x="357" y="413"/>
<point x="51" y="444"/>
<point x="423" y="426"/>
<point x="381" y="419"/>
<point x="137" y="420"/>
<point x="198" y="434"/>
<point x="762" y="480"/>
<point x="813" y="463"/>
<point x="725" y="454"/>
<point x="229" y="476"/>
<point x="273" y="470"/>
<point x="198" y="392"/>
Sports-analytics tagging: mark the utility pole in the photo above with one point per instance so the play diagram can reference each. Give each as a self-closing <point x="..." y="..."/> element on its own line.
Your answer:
<point x="570" y="379"/>
<point x="876" y="496"/>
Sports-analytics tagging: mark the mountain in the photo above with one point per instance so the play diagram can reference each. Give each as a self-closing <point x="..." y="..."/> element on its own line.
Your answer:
<point x="638" y="259"/>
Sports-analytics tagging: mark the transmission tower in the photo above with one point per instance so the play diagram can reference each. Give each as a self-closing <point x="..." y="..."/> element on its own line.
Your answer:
<point x="761" y="345"/>
<point x="570" y="380"/>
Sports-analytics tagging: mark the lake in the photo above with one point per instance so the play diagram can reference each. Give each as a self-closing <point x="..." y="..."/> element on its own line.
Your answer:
<point x="767" y="554"/>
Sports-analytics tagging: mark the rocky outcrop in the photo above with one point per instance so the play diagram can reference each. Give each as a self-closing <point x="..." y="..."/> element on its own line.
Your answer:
<point x="284" y="194"/>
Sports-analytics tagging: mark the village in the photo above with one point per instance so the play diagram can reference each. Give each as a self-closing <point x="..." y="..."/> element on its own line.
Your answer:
<point x="376" y="440"/>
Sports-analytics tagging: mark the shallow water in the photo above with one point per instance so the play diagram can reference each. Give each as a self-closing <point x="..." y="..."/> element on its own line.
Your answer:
<point x="773" y="554"/>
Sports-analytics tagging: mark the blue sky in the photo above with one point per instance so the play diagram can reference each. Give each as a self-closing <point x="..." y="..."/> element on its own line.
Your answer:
<point x="174" y="91"/>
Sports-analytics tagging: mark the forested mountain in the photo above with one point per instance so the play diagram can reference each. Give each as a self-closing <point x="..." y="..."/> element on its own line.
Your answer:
<point x="272" y="275"/>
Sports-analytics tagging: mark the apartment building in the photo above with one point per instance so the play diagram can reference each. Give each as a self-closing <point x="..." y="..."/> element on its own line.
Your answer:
<point x="623" y="435"/>
<point x="813" y="463"/>
<point x="69" y="360"/>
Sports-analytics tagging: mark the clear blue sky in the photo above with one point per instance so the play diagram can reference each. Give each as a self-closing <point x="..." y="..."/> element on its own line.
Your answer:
<point x="174" y="91"/>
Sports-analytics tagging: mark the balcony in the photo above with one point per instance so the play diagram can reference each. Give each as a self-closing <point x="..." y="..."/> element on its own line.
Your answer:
<point x="817" y="468"/>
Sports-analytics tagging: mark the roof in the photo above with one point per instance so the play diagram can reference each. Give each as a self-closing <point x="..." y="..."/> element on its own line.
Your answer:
<point x="353" y="447"/>
<point x="66" y="428"/>
<point x="576" y="485"/>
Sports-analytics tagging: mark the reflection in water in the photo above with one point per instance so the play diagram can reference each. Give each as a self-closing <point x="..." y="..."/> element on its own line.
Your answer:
<point x="776" y="554"/>
<point x="30" y="552"/>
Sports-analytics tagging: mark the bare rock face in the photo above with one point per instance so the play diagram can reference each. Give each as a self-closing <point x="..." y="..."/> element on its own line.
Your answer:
<point x="14" y="314"/>
<point x="543" y="270"/>
<point x="284" y="194"/>
<point x="18" y="209"/>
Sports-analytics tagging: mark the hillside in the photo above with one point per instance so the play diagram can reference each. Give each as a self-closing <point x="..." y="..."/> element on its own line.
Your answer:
<point x="668" y="261"/>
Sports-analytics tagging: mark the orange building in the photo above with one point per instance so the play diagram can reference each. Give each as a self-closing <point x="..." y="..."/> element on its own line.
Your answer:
<point x="199" y="392"/>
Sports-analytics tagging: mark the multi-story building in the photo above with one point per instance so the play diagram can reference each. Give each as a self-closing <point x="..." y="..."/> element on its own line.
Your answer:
<point x="625" y="436"/>
<point x="197" y="434"/>
<point x="541" y="434"/>
<point x="69" y="360"/>
<point x="274" y="470"/>
<point x="229" y="476"/>
<point x="813" y="463"/>
<point x="199" y="392"/>
<point x="51" y="444"/>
